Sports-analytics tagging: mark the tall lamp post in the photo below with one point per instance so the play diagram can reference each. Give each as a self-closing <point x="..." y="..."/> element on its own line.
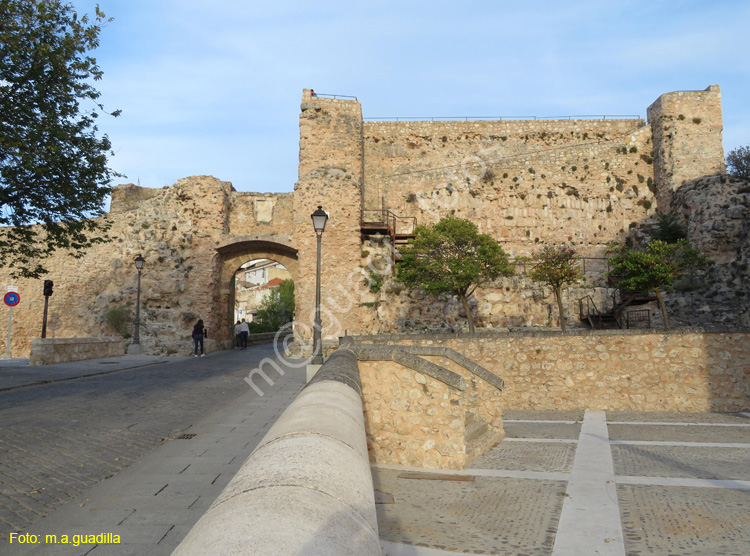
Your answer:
<point x="135" y="346"/>
<point x="319" y="218"/>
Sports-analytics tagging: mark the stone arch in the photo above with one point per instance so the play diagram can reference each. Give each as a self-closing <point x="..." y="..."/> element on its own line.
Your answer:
<point x="238" y="250"/>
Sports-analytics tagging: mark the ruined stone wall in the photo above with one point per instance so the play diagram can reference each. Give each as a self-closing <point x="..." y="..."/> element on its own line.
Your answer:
<point x="715" y="212"/>
<point x="687" y="128"/>
<point x="527" y="183"/>
<point x="177" y="230"/>
<point x="612" y="371"/>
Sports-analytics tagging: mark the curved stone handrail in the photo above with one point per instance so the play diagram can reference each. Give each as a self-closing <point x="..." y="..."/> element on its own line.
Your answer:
<point x="409" y="357"/>
<point x="307" y="488"/>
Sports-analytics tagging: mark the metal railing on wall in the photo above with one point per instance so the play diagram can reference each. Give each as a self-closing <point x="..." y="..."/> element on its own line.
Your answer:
<point x="327" y="95"/>
<point x="504" y="118"/>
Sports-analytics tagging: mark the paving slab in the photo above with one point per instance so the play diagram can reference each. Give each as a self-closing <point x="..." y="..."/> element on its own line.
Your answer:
<point x="684" y="521"/>
<point x="541" y="429"/>
<point x="677" y="417"/>
<point x="486" y="516"/>
<point x="528" y="456"/>
<point x="543" y="415"/>
<point x="726" y="433"/>
<point x="682" y="461"/>
<point x="675" y="485"/>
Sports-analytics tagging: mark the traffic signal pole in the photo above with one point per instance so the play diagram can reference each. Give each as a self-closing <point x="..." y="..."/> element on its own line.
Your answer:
<point x="48" y="284"/>
<point x="44" y="320"/>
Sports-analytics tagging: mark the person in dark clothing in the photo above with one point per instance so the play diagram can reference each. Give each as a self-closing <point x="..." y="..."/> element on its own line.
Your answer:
<point x="199" y="332"/>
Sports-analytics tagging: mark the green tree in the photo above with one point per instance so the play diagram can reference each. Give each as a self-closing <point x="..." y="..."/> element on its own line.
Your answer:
<point x="556" y="267"/>
<point x="654" y="268"/>
<point x="452" y="257"/>
<point x="669" y="228"/>
<point x="738" y="162"/>
<point x="277" y="309"/>
<point x="53" y="166"/>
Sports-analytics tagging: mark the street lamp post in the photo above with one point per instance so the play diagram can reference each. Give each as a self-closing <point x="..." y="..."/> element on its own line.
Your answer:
<point x="135" y="346"/>
<point x="319" y="218"/>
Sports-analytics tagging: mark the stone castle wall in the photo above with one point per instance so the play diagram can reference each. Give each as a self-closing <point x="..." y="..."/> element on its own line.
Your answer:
<point x="527" y="183"/>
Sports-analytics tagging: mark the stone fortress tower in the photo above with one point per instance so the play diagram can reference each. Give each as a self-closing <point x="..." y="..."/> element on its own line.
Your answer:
<point x="529" y="183"/>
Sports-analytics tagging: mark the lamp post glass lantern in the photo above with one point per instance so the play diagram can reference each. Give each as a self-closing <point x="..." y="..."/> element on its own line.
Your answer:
<point x="319" y="218"/>
<point x="139" y="264"/>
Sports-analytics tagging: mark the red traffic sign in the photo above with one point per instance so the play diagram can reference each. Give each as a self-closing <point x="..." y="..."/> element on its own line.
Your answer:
<point x="12" y="299"/>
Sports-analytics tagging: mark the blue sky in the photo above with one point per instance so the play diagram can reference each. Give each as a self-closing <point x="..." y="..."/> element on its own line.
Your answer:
<point x="214" y="87"/>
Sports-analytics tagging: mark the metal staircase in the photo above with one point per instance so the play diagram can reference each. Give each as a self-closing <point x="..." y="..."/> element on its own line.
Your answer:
<point x="382" y="221"/>
<point x="622" y="314"/>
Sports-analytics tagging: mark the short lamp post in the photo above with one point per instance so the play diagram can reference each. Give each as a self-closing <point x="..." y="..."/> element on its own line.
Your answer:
<point x="319" y="218"/>
<point x="135" y="346"/>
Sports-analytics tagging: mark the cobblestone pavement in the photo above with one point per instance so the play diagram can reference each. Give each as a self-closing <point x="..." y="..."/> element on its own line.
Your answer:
<point x="678" y="484"/>
<point x="57" y="440"/>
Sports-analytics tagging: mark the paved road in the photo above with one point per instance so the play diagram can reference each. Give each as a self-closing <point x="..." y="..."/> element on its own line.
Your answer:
<point x="59" y="439"/>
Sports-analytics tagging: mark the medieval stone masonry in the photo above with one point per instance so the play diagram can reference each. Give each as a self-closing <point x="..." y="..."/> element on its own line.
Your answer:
<point x="528" y="183"/>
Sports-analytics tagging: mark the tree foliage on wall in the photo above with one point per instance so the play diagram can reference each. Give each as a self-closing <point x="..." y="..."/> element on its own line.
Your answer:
<point x="53" y="165"/>
<point x="557" y="267"/>
<point x="452" y="257"/>
<point x="738" y="162"/>
<point x="654" y="268"/>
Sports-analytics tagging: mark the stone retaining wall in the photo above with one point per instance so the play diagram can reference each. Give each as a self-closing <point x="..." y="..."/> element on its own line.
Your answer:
<point x="427" y="407"/>
<point x="48" y="351"/>
<point x="678" y="370"/>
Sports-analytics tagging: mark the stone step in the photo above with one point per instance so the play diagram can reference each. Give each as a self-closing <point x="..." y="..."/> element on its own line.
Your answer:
<point x="475" y="429"/>
<point x="483" y="443"/>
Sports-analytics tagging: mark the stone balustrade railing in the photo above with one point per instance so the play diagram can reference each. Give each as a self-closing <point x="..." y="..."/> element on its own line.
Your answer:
<point x="307" y="488"/>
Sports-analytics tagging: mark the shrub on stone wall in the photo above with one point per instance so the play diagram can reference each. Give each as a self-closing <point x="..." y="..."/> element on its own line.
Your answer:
<point x="118" y="319"/>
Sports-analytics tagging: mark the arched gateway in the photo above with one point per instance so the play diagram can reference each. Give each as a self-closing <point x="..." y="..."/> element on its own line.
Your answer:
<point x="235" y="252"/>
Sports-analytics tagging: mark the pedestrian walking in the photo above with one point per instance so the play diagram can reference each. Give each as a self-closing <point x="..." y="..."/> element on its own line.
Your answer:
<point x="237" y="338"/>
<point x="244" y="331"/>
<point x="199" y="332"/>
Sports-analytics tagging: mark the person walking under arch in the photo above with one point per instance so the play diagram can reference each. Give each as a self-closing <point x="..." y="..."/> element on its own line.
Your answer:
<point x="244" y="331"/>
<point x="237" y="337"/>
